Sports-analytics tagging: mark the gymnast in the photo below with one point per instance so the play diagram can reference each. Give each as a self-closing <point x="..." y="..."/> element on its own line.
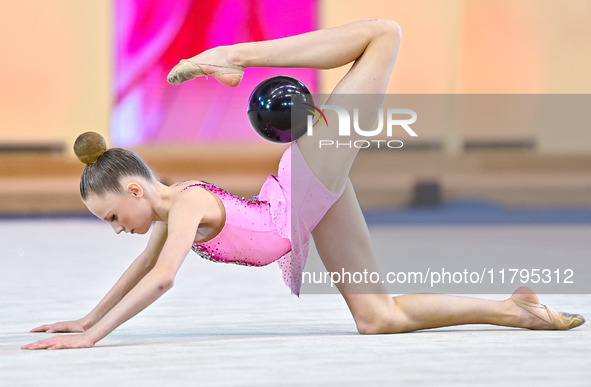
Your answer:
<point x="118" y="187"/>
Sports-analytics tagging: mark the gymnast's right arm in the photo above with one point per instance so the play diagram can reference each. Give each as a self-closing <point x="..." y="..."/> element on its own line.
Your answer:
<point x="138" y="269"/>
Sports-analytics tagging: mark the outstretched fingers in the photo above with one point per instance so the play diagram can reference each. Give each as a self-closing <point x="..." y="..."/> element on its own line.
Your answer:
<point x="42" y="328"/>
<point x="62" y="342"/>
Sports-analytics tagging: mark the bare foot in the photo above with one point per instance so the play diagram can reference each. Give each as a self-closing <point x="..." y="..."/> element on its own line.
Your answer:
<point x="523" y="318"/>
<point x="231" y="74"/>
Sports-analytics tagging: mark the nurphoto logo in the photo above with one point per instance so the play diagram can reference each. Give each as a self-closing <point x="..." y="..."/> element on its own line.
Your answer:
<point x="345" y="125"/>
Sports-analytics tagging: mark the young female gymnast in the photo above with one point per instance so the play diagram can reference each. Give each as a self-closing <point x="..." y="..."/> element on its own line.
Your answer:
<point x="118" y="187"/>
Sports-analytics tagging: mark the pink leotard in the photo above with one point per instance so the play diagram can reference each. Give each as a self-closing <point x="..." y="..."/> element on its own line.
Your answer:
<point x="262" y="230"/>
<point x="248" y="237"/>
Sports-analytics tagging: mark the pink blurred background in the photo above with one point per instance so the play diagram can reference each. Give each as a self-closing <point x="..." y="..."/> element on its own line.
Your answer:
<point x="151" y="40"/>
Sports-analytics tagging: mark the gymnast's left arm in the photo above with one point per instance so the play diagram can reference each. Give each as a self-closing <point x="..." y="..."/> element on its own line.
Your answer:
<point x="181" y="234"/>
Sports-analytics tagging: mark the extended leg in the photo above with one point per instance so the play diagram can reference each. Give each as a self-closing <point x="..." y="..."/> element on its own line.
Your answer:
<point x="372" y="44"/>
<point x="323" y="49"/>
<point x="343" y="241"/>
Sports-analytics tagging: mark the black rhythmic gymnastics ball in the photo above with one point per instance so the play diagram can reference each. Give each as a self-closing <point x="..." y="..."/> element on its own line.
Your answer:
<point x="276" y="109"/>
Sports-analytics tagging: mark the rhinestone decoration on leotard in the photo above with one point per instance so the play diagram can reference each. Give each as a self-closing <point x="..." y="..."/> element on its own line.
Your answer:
<point x="246" y="219"/>
<point x="205" y="255"/>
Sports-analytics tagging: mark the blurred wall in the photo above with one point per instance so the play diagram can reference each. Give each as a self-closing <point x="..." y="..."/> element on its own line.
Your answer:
<point x="55" y="71"/>
<point x="487" y="46"/>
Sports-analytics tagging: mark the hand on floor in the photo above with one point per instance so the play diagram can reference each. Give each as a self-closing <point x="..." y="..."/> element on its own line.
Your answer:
<point x="79" y="340"/>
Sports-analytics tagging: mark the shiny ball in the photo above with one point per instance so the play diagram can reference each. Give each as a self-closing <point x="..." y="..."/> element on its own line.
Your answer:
<point x="277" y="110"/>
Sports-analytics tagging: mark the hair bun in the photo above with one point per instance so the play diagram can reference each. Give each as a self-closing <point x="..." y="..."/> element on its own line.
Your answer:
<point x="89" y="146"/>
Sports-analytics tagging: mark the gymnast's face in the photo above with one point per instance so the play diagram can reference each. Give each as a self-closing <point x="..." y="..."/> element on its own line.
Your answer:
<point x="127" y="212"/>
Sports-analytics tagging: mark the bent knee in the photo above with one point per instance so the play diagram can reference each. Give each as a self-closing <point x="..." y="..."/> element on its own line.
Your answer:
<point x="388" y="28"/>
<point x="371" y="328"/>
<point x="375" y="323"/>
<point x="382" y="321"/>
